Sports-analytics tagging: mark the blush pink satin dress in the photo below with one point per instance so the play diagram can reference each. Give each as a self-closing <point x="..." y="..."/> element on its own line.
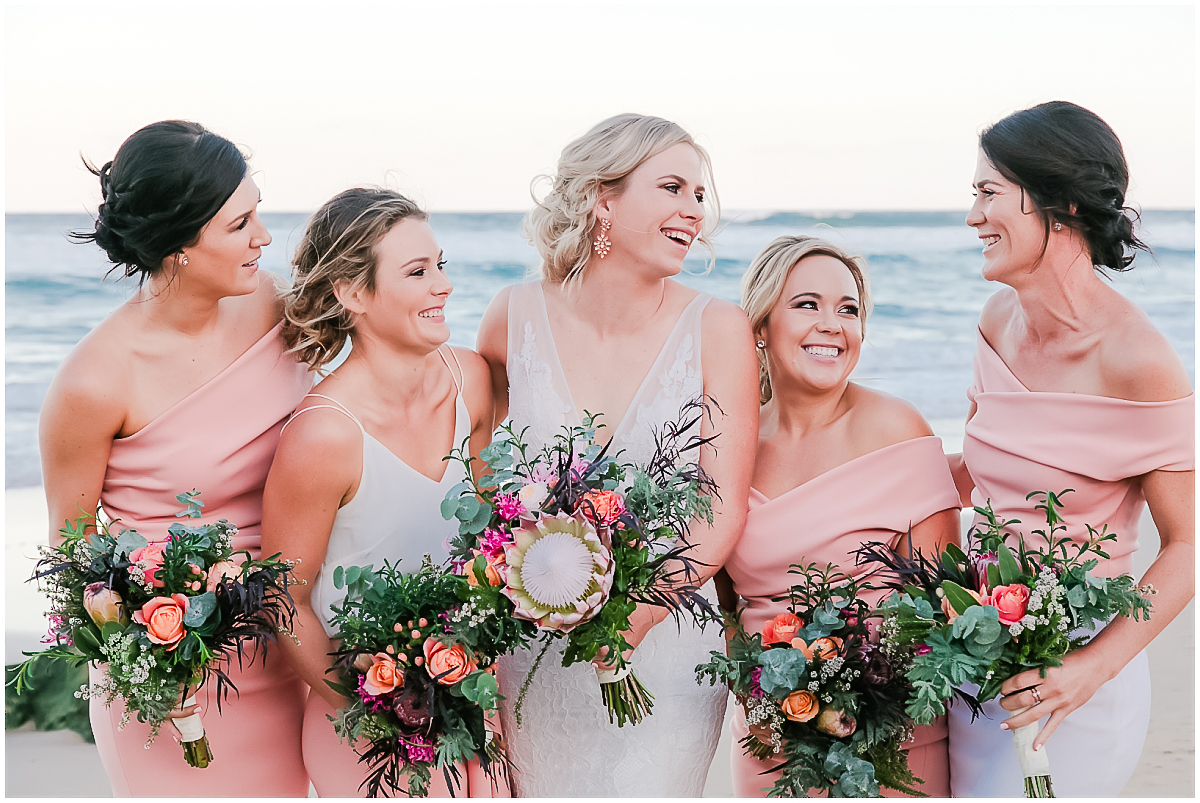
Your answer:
<point x="874" y="497"/>
<point x="219" y="440"/>
<point x="1020" y="441"/>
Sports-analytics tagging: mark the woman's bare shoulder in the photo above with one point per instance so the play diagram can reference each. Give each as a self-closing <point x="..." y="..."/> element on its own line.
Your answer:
<point x="881" y="419"/>
<point x="1137" y="361"/>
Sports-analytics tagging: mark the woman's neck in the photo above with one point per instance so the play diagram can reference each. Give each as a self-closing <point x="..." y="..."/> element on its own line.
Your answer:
<point x="383" y="376"/>
<point x="795" y="412"/>
<point x="168" y="304"/>
<point x="1058" y="299"/>
<point x="615" y="297"/>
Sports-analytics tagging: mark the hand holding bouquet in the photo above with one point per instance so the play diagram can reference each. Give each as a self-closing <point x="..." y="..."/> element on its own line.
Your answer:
<point x="831" y="700"/>
<point x="161" y="617"/>
<point x="419" y="692"/>
<point x="988" y="614"/>
<point x="570" y="541"/>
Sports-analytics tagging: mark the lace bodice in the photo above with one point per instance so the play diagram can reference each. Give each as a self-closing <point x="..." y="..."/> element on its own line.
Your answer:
<point x="565" y="745"/>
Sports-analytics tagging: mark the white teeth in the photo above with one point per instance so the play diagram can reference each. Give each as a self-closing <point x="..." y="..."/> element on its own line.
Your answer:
<point x="433" y="313"/>
<point x="990" y="241"/>
<point x="821" y="351"/>
<point x="679" y="236"/>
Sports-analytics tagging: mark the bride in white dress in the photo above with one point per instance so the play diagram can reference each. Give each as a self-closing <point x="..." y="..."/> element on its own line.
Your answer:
<point x="606" y="330"/>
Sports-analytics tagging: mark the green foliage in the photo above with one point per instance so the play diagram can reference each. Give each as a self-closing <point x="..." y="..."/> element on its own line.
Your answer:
<point x="47" y="696"/>
<point x="781" y="671"/>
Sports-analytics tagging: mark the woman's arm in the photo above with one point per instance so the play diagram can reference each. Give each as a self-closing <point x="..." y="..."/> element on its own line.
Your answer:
<point x="82" y="413"/>
<point x="316" y="470"/>
<point x="478" y="394"/>
<point x="492" y="345"/>
<point x="1171" y="496"/>
<point x="958" y="469"/>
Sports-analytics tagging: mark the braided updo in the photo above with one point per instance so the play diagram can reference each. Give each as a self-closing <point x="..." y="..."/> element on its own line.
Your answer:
<point x="165" y="183"/>
<point x="1072" y="166"/>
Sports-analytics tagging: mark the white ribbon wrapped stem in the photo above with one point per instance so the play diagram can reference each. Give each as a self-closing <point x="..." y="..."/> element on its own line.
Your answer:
<point x="1033" y="763"/>
<point x="605" y="675"/>
<point x="191" y="728"/>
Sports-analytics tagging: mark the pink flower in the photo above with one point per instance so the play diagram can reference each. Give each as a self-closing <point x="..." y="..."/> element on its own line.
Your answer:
<point x="979" y="564"/>
<point x="493" y="542"/>
<point x="1011" y="601"/>
<point x="418" y="747"/>
<point x="384" y="675"/>
<point x="149" y="559"/>
<point x="508" y="506"/>
<point x="222" y="571"/>
<point x="104" y="605"/>
<point x="163" y="619"/>
<point x="924" y="649"/>
<point x="602" y="507"/>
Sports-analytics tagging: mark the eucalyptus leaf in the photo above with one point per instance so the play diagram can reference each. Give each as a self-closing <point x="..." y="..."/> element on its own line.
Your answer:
<point x="128" y="541"/>
<point x="468" y="507"/>
<point x="781" y="670"/>
<point x="449" y="505"/>
<point x="199" y="609"/>
<point x="339" y="577"/>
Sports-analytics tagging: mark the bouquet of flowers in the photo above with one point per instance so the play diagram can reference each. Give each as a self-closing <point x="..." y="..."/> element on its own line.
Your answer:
<point x="419" y="692"/>
<point x="985" y="615"/>
<point x="568" y="541"/>
<point x="159" y="616"/>
<point x="831" y="700"/>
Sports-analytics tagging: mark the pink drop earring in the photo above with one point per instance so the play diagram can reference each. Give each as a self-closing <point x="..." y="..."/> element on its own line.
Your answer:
<point x="603" y="245"/>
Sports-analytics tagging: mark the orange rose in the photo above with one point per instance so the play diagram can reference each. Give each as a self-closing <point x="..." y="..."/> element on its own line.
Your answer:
<point x="491" y="571"/>
<point x="781" y="629"/>
<point x="603" y="508"/>
<point x="225" y="570"/>
<point x="800" y="706"/>
<point x="952" y="614"/>
<point x="163" y="619"/>
<point x="383" y="676"/>
<point x="825" y="647"/>
<point x="150" y="560"/>
<point x="448" y="665"/>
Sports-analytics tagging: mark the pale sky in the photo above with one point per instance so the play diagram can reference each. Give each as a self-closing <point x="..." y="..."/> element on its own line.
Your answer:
<point x="802" y="107"/>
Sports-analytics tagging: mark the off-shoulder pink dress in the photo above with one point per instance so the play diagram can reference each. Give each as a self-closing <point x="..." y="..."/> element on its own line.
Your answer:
<point x="219" y="440"/>
<point x="1020" y="441"/>
<point x="874" y="497"/>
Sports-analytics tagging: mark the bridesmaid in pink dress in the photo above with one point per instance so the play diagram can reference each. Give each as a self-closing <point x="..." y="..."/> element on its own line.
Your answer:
<point x="359" y="476"/>
<point x="185" y="386"/>
<point x="837" y="464"/>
<point x="1074" y="388"/>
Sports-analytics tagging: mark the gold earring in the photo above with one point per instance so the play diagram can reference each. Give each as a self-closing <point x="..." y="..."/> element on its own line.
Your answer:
<point x="603" y="245"/>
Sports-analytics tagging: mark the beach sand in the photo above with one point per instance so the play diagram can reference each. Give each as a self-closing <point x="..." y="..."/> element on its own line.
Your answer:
<point x="60" y="764"/>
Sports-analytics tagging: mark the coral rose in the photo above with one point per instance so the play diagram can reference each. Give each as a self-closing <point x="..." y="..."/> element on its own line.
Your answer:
<point x="448" y="665"/>
<point x="1011" y="601"/>
<point x="384" y="675"/>
<point x="800" y="706"/>
<point x="825" y="647"/>
<point x="602" y="507"/>
<point x="952" y="614"/>
<point x="149" y="559"/>
<point x="781" y="629"/>
<point x="491" y="570"/>
<point x="163" y="619"/>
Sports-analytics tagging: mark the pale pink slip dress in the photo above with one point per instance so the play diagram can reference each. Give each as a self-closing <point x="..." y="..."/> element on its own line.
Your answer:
<point x="219" y="440"/>
<point x="1020" y="441"/>
<point x="395" y="515"/>
<point x="874" y="497"/>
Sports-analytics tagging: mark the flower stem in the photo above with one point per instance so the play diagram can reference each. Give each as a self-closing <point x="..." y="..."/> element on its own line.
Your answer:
<point x="198" y="753"/>
<point x="1038" y="786"/>
<point x="627" y="700"/>
<point x="529" y="679"/>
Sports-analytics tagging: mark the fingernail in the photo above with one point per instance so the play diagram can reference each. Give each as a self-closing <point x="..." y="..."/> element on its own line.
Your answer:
<point x="1003" y="726"/>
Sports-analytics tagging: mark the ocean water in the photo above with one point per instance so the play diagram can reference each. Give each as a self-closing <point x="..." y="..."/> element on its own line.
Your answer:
<point x="923" y="267"/>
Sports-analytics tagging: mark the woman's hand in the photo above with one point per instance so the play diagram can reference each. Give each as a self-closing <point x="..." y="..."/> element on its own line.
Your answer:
<point x="641" y="620"/>
<point x="1064" y="689"/>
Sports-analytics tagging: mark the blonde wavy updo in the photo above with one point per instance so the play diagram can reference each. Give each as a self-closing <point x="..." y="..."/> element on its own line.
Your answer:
<point x="338" y="247"/>
<point x="561" y="225"/>
<point x="763" y="281"/>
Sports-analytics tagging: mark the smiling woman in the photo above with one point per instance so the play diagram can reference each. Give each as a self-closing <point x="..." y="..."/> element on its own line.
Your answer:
<point x="185" y="386"/>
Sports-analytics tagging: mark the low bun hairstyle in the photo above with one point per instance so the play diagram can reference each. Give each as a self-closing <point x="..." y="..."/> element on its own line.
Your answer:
<point x="165" y="183"/>
<point x="1066" y="158"/>
<point x="338" y="248"/>
<point x="561" y="225"/>
<point x="763" y="281"/>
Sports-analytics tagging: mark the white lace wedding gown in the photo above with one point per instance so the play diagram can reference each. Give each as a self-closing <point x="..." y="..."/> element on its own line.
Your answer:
<point x="565" y="745"/>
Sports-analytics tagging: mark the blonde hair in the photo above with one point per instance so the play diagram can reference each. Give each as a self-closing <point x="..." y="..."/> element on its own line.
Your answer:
<point x="338" y="247"/>
<point x="763" y="281"/>
<point x="561" y="225"/>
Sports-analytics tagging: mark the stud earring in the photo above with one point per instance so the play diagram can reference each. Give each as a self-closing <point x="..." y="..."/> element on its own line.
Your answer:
<point x="762" y="344"/>
<point x="182" y="259"/>
<point x="1057" y="226"/>
<point x="603" y="245"/>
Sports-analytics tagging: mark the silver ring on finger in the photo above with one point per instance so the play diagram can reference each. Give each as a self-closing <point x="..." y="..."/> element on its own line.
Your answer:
<point x="1037" y="697"/>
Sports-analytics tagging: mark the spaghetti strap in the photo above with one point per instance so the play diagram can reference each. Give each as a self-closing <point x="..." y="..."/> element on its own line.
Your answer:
<point x="337" y="405"/>
<point x="457" y="382"/>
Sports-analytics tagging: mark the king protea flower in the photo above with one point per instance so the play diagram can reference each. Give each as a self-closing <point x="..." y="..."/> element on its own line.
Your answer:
<point x="560" y="572"/>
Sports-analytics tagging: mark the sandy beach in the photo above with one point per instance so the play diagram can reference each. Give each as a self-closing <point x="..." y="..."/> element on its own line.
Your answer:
<point x="60" y="764"/>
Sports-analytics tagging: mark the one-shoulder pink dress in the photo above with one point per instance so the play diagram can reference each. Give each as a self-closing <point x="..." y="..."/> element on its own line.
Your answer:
<point x="1020" y="441"/>
<point x="219" y="440"/>
<point x="874" y="497"/>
